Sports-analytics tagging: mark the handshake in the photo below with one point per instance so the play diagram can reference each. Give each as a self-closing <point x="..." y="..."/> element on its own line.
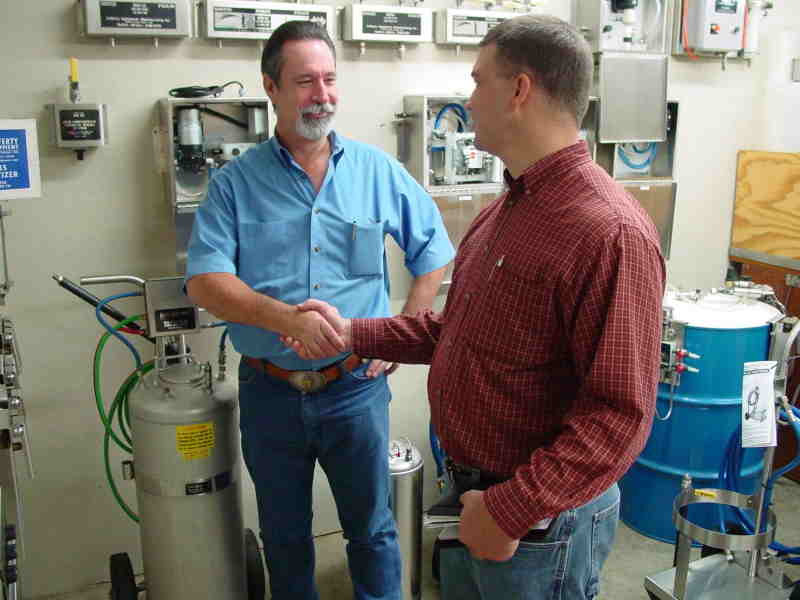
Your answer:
<point x="318" y="331"/>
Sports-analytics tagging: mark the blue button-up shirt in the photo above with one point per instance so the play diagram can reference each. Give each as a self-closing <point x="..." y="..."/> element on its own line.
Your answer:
<point x="263" y="221"/>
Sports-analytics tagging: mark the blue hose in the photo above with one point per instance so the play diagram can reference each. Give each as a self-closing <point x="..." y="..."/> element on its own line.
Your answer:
<point x="457" y="108"/>
<point x="436" y="450"/>
<point x="729" y="479"/>
<point x="623" y="156"/>
<point x="114" y="332"/>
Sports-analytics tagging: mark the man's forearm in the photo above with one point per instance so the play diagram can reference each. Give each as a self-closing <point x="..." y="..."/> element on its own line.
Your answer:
<point x="423" y="291"/>
<point x="228" y="298"/>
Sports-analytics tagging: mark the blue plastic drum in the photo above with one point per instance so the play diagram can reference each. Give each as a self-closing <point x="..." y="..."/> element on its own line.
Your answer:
<point x="726" y="331"/>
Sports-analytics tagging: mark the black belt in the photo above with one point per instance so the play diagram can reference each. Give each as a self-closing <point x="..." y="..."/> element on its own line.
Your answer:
<point x="470" y="478"/>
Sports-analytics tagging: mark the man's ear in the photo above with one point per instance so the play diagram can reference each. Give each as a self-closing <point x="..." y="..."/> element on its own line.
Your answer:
<point x="270" y="86"/>
<point x="523" y="89"/>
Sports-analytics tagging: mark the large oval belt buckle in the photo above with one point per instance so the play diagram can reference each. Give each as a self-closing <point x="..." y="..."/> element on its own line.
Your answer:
<point x="307" y="382"/>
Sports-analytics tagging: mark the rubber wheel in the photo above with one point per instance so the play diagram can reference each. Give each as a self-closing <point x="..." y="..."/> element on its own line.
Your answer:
<point x="435" y="560"/>
<point x="123" y="583"/>
<point x="795" y="592"/>
<point x="256" y="583"/>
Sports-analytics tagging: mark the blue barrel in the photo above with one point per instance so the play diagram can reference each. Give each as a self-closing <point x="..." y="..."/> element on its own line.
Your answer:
<point x="706" y="410"/>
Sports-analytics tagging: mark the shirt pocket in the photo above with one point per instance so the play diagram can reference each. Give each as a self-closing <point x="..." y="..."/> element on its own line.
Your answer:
<point x="366" y="249"/>
<point x="263" y="251"/>
<point x="518" y="316"/>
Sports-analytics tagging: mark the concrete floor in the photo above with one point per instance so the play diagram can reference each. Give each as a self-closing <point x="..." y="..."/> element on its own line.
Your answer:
<point x="632" y="558"/>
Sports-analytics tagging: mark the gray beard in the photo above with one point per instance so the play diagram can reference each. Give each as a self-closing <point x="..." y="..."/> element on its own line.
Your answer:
<point x="313" y="129"/>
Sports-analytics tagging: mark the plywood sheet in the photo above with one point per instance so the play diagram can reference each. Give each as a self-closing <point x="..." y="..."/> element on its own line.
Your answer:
<point x="766" y="216"/>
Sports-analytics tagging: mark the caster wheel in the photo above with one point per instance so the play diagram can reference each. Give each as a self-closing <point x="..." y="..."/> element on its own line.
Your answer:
<point x="123" y="583"/>
<point x="256" y="583"/>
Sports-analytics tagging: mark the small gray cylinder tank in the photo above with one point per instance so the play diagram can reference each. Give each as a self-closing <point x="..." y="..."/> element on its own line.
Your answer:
<point x="406" y="466"/>
<point x="186" y="458"/>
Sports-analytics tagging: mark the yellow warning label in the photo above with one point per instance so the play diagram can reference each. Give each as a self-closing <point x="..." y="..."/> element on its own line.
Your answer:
<point x="195" y="441"/>
<point x="705" y="494"/>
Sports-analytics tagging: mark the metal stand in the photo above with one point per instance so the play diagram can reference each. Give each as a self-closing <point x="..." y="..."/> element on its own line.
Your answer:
<point x="745" y="571"/>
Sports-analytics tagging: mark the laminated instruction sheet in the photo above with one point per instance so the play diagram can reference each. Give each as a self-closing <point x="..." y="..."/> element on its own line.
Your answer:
<point x="759" y="428"/>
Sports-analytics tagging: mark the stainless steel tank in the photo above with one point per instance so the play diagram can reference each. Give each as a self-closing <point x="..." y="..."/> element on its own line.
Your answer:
<point x="406" y="466"/>
<point x="186" y="461"/>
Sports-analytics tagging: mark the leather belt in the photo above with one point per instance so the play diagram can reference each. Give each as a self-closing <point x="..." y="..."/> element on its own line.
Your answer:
<point x="307" y="382"/>
<point x="470" y="478"/>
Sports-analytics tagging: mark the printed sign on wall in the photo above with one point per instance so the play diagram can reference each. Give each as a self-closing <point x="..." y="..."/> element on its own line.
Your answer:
<point x="19" y="159"/>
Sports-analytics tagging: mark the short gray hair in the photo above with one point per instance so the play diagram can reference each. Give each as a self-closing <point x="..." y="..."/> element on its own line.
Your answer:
<point x="272" y="58"/>
<point x="553" y="52"/>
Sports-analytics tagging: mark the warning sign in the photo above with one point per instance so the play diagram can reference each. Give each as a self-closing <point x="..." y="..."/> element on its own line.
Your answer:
<point x="19" y="159"/>
<point x="195" y="441"/>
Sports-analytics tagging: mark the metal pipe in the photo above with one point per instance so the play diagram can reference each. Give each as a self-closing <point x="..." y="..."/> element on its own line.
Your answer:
<point x="682" y="552"/>
<point x="182" y="352"/>
<point x="769" y="455"/>
<point x="81" y="293"/>
<point x="94" y="280"/>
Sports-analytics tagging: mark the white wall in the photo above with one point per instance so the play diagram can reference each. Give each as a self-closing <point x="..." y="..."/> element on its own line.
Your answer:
<point x="108" y="214"/>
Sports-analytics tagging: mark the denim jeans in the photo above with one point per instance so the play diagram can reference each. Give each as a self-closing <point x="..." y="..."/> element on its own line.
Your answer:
<point x="345" y="427"/>
<point x="564" y="565"/>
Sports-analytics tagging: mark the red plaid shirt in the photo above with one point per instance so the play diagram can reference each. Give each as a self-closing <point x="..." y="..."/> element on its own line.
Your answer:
<point x="544" y="362"/>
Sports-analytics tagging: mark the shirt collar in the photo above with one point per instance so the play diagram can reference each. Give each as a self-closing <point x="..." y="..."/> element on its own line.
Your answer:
<point x="337" y="149"/>
<point x="552" y="166"/>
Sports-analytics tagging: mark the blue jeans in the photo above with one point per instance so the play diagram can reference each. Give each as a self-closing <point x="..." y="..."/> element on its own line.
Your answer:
<point x="345" y="427"/>
<point x="564" y="565"/>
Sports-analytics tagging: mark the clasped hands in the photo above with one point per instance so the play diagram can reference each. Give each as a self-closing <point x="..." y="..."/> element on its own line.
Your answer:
<point x="319" y="331"/>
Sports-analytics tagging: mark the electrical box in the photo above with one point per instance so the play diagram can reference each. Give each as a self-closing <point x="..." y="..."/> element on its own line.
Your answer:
<point x="79" y="126"/>
<point x="645" y="170"/>
<point x="142" y="18"/>
<point x="633" y="92"/>
<point x="374" y="23"/>
<point x="195" y="138"/>
<point x="623" y="25"/>
<point x="715" y="25"/>
<point x="467" y="27"/>
<point x="256" y="20"/>
<point x="438" y="147"/>
<point x="169" y="310"/>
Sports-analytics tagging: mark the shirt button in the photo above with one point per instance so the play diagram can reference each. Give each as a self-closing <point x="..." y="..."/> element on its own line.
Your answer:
<point x="316" y="286"/>
<point x="467" y="295"/>
<point x="316" y="248"/>
<point x="316" y="211"/>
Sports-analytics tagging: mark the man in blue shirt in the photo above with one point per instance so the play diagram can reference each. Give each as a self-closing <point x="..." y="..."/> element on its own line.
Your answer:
<point x="305" y="215"/>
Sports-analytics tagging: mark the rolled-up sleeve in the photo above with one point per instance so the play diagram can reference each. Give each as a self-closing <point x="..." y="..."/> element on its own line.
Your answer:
<point x="420" y="231"/>
<point x="214" y="242"/>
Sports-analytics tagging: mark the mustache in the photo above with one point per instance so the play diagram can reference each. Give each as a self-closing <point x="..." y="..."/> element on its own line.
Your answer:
<point x="315" y="109"/>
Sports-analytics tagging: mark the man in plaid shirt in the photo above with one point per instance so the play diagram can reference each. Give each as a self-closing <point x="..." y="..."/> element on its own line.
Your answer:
<point x="544" y="362"/>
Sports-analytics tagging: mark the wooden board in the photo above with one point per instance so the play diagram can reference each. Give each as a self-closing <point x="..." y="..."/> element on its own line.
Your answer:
<point x="790" y="297"/>
<point x="766" y="215"/>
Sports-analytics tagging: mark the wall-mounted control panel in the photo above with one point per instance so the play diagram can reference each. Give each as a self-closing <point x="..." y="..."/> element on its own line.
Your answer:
<point x="375" y="23"/>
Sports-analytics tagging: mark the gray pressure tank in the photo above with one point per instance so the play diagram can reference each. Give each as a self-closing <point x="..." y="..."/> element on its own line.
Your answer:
<point x="186" y="461"/>
<point x="406" y="466"/>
